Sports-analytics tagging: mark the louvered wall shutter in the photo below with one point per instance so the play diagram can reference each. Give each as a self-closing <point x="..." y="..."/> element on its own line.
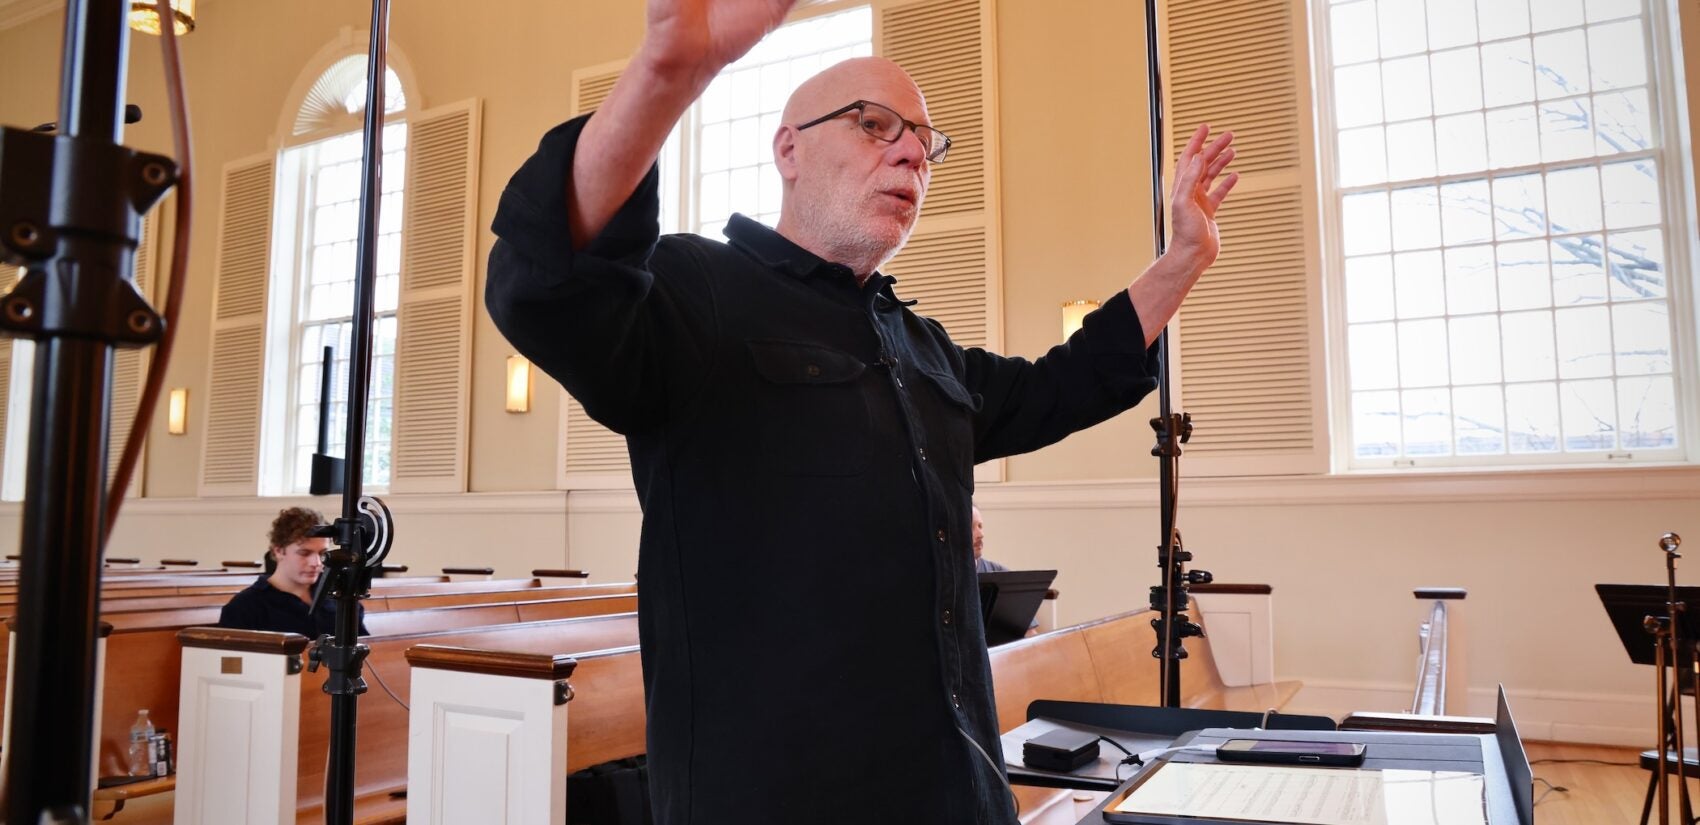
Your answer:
<point x="591" y="455"/>
<point x="434" y="318"/>
<point x="1250" y="365"/>
<point x="129" y="366"/>
<point x="952" y="261"/>
<point x="231" y="450"/>
<point x="8" y="278"/>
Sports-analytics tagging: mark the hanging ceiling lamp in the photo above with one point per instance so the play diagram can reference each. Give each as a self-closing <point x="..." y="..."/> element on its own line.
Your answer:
<point x="144" y="16"/>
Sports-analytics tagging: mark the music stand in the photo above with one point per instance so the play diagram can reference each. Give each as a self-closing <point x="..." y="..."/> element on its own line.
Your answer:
<point x="1009" y="599"/>
<point x="1628" y="606"/>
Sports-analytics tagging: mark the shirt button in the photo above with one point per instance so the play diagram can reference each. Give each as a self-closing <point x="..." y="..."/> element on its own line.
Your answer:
<point x="813" y="370"/>
<point x="956" y="701"/>
<point x="947" y="617"/>
<point x="941" y="535"/>
<point x="923" y="452"/>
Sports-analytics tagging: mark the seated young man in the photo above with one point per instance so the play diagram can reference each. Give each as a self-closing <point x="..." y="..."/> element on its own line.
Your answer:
<point x="282" y="599"/>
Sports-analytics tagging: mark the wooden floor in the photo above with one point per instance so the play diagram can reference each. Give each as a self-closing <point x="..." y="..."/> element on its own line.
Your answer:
<point x="1599" y="794"/>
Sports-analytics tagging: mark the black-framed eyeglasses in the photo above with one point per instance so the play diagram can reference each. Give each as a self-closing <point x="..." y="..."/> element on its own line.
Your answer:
<point x="887" y="125"/>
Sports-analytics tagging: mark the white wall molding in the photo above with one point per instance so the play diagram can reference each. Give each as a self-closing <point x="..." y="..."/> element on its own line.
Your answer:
<point x="1676" y="482"/>
<point x="543" y="502"/>
<point x="1601" y="484"/>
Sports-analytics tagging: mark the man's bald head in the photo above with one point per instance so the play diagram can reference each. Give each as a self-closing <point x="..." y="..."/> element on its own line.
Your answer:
<point x="859" y="78"/>
<point x="849" y="196"/>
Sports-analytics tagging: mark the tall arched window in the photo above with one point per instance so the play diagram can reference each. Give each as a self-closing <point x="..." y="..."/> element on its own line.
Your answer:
<point x="317" y="218"/>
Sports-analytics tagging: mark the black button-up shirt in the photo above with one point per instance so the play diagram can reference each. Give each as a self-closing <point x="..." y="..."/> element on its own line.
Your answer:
<point x="803" y="450"/>
<point x="263" y="607"/>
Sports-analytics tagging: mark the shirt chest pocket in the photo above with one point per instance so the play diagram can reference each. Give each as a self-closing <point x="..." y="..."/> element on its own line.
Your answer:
<point x="812" y="409"/>
<point x="949" y="417"/>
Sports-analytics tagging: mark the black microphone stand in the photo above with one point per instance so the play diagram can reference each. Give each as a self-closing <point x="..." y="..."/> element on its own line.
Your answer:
<point x="1173" y="429"/>
<point x="362" y="533"/>
<point x="70" y="212"/>
<point x="1669" y="645"/>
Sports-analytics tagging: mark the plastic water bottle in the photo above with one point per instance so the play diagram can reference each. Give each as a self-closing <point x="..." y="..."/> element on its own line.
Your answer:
<point x="141" y="745"/>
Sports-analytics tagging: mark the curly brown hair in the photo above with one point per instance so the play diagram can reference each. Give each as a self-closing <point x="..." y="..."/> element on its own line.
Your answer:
<point x="292" y="525"/>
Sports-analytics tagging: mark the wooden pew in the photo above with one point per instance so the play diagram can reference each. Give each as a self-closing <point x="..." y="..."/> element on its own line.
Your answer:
<point x="1108" y="661"/>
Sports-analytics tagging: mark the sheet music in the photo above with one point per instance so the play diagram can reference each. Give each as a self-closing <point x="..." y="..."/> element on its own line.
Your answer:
<point x="1310" y="796"/>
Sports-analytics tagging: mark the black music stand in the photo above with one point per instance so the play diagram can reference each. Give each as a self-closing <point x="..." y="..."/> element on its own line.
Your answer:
<point x="1628" y="606"/>
<point x="1009" y="599"/>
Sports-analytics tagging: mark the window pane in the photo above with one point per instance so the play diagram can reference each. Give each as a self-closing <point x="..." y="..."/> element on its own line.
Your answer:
<point x="1618" y="55"/>
<point x="1416" y="218"/>
<point x="1352" y="30"/>
<point x="1519" y="207"/>
<point x="1573" y="200"/>
<point x="1631" y="193"/>
<point x="1470" y="282"/>
<point x="1636" y="269"/>
<point x="1646" y="412"/>
<point x="1451" y="23"/>
<point x="1578" y="272"/>
<point x="1410" y="150"/>
<point x="1427" y="421"/>
<point x="1466" y="212"/>
<point x="1503" y="18"/>
<point x="1584" y="342"/>
<point x="1527" y="338"/>
<point x="1475" y="349"/>
<point x="1561" y="64"/>
<point x="1513" y="137"/>
<point x="1531" y="413"/>
<point x="1566" y="130"/>
<point x="1590" y="415"/>
<point x="1358" y="92"/>
<point x="1363" y="156"/>
<point x="1642" y="334"/>
<point x="1608" y="9"/>
<point x="1407" y="87"/>
<point x="1419" y="283"/>
<point x="1507" y="72"/>
<point x="1364" y="221"/>
<point x="1375" y="424"/>
<point x="1623" y="122"/>
<point x="1457" y="81"/>
<point x="1402" y="27"/>
<point x="1369" y="289"/>
<point x="1547" y="15"/>
<point x="1373" y="355"/>
<point x="1462" y="144"/>
<point x="1524" y="282"/>
<point x="1478" y="420"/>
<point x="1422" y="353"/>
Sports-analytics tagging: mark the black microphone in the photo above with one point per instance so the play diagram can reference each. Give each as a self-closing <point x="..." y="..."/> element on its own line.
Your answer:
<point x="132" y="114"/>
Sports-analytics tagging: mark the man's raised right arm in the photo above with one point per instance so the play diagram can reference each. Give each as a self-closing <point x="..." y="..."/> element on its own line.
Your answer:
<point x="686" y="43"/>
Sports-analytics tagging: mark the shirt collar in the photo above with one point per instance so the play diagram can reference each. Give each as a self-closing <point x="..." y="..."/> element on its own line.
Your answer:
<point x="779" y="253"/>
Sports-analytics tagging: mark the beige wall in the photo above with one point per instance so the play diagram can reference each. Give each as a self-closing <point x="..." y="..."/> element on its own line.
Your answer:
<point x="1076" y="219"/>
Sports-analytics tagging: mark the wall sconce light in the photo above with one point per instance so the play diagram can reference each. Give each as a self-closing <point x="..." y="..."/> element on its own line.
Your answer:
<point x="144" y="16"/>
<point x="1074" y="314"/>
<point x="177" y="412"/>
<point x="519" y="384"/>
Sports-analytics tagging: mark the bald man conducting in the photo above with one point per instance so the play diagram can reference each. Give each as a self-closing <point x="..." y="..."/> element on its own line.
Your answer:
<point x="802" y="439"/>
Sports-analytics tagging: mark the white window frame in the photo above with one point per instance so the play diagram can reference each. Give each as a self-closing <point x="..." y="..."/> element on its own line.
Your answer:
<point x="288" y="288"/>
<point x="1665" y="79"/>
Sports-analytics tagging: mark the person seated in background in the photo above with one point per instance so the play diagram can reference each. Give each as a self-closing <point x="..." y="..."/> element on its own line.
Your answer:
<point x="985" y="565"/>
<point x="981" y="563"/>
<point x="281" y="600"/>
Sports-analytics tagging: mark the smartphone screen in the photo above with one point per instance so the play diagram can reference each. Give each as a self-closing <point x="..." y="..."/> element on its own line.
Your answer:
<point x="1288" y="746"/>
